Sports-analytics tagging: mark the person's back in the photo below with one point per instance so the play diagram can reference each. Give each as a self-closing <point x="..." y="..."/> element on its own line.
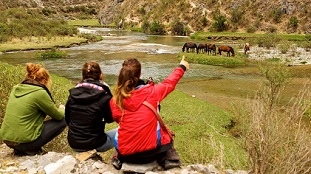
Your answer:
<point x="141" y="137"/>
<point x="87" y="111"/>
<point x="25" y="127"/>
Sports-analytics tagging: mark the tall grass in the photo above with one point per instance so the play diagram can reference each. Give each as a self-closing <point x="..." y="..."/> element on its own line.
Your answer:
<point x="276" y="138"/>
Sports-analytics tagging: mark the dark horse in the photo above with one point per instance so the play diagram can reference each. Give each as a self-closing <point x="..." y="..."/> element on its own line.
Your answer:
<point x="246" y="47"/>
<point x="202" y="48"/>
<point x="227" y="49"/>
<point x="210" y="48"/>
<point x="190" y="45"/>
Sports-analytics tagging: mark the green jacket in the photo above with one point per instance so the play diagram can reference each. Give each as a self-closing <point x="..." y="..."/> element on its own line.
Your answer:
<point x="26" y="110"/>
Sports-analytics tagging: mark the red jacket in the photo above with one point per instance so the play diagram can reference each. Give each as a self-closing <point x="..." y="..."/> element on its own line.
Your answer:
<point x="139" y="129"/>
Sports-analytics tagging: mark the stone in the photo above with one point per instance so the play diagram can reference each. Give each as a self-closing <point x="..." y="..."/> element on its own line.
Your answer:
<point x="139" y="168"/>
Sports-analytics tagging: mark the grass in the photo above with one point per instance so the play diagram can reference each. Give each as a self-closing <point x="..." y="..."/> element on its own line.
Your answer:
<point x="201" y="136"/>
<point x="289" y="37"/>
<point x="40" y="43"/>
<point x="213" y="60"/>
<point x="86" y="22"/>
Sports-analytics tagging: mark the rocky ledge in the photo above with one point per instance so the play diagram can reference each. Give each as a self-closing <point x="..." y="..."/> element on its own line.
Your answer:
<point x="65" y="163"/>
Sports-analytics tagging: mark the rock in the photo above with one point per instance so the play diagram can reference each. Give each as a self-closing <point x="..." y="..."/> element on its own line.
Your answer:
<point x="139" y="168"/>
<point x="62" y="166"/>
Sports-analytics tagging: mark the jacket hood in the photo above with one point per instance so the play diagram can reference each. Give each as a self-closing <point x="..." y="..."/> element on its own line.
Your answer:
<point x="24" y="89"/>
<point x="86" y="94"/>
<point x="138" y="97"/>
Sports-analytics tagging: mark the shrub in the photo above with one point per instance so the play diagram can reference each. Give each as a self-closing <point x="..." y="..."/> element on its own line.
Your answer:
<point x="178" y="28"/>
<point x="275" y="138"/>
<point x="284" y="47"/>
<point x="157" y="28"/>
<point x="219" y="24"/>
<point x="51" y="54"/>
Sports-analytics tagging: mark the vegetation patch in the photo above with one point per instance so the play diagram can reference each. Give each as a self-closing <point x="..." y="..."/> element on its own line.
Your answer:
<point x="213" y="60"/>
<point x="51" y="54"/>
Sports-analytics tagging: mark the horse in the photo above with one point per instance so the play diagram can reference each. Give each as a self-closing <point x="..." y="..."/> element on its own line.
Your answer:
<point x="210" y="48"/>
<point x="190" y="45"/>
<point x="246" y="47"/>
<point x="227" y="49"/>
<point x="203" y="47"/>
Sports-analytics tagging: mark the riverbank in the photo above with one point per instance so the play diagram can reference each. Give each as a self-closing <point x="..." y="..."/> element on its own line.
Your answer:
<point x="41" y="43"/>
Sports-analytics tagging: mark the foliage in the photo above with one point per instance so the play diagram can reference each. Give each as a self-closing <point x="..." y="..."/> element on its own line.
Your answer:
<point x="213" y="60"/>
<point x="293" y="22"/>
<point x="21" y="23"/>
<point x="219" y="24"/>
<point x="178" y="28"/>
<point x="276" y="15"/>
<point x="9" y="76"/>
<point x="157" y="28"/>
<point x="276" y="139"/>
<point x="51" y="54"/>
<point x="268" y="40"/>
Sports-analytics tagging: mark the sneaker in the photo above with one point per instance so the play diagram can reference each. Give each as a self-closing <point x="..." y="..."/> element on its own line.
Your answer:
<point x="116" y="163"/>
<point x="169" y="164"/>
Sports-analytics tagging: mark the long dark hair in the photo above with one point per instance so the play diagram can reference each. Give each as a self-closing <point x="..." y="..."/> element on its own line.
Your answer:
<point x="127" y="80"/>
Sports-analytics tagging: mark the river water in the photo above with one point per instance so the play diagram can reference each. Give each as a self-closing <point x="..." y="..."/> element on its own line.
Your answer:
<point x="158" y="56"/>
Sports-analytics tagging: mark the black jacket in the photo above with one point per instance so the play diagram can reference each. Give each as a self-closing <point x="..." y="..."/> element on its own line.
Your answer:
<point x="87" y="111"/>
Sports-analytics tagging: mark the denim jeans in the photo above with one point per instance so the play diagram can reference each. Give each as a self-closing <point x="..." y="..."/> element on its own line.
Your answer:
<point x="109" y="143"/>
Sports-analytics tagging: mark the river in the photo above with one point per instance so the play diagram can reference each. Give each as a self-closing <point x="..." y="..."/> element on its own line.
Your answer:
<point x="158" y="56"/>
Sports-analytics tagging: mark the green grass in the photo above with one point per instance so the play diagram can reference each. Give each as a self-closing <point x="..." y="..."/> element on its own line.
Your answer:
<point x="213" y="60"/>
<point x="86" y="22"/>
<point x="200" y="131"/>
<point x="205" y="35"/>
<point x="40" y="43"/>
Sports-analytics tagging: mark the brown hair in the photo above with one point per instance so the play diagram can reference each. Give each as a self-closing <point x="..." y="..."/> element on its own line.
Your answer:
<point x="127" y="80"/>
<point x="91" y="70"/>
<point x="39" y="74"/>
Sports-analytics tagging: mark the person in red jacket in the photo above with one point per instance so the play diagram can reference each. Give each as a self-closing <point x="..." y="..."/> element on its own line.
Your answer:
<point x="140" y="138"/>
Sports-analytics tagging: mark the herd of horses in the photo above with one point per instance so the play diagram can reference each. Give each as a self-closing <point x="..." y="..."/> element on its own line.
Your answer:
<point x="211" y="48"/>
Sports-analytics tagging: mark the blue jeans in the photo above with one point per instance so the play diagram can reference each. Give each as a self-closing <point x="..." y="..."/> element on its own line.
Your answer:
<point x="109" y="143"/>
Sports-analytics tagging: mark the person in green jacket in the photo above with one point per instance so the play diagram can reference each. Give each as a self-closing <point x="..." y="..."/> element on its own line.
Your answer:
<point x="25" y="127"/>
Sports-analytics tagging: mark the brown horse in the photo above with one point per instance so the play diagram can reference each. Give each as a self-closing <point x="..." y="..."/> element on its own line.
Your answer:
<point x="246" y="47"/>
<point x="210" y="48"/>
<point x="190" y="45"/>
<point x="227" y="49"/>
<point x="202" y="48"/>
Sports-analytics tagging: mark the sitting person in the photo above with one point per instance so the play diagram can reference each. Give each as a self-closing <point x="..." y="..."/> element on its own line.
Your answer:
<point x="141" y="137"/>
<point x="24" y="127"/>
<point x="87" y="111"/>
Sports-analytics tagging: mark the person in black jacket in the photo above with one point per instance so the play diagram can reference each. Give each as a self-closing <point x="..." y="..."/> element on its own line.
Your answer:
<point x="87" y="111"/>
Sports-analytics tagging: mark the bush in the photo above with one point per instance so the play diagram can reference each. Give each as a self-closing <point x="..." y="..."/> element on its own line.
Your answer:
<point x="178" y="28"/>
<point x="157" y="28"/>
<point x="219" y="24"/>
<point x="51" y="54"/>
<point x="275" y="138"/>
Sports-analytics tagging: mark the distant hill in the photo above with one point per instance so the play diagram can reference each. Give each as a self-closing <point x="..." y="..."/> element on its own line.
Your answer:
<point x="281" y="16"/>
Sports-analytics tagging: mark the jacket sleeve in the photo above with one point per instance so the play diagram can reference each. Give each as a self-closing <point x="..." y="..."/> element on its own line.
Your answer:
<point x="169" y="84"/>
<point x="45" y="103"/>
<point x="67" y="112"/>
<point x="107" y="111"/>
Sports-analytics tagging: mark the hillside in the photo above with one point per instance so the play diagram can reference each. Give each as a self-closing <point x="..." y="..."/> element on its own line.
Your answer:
<point x="282" y="16"/>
